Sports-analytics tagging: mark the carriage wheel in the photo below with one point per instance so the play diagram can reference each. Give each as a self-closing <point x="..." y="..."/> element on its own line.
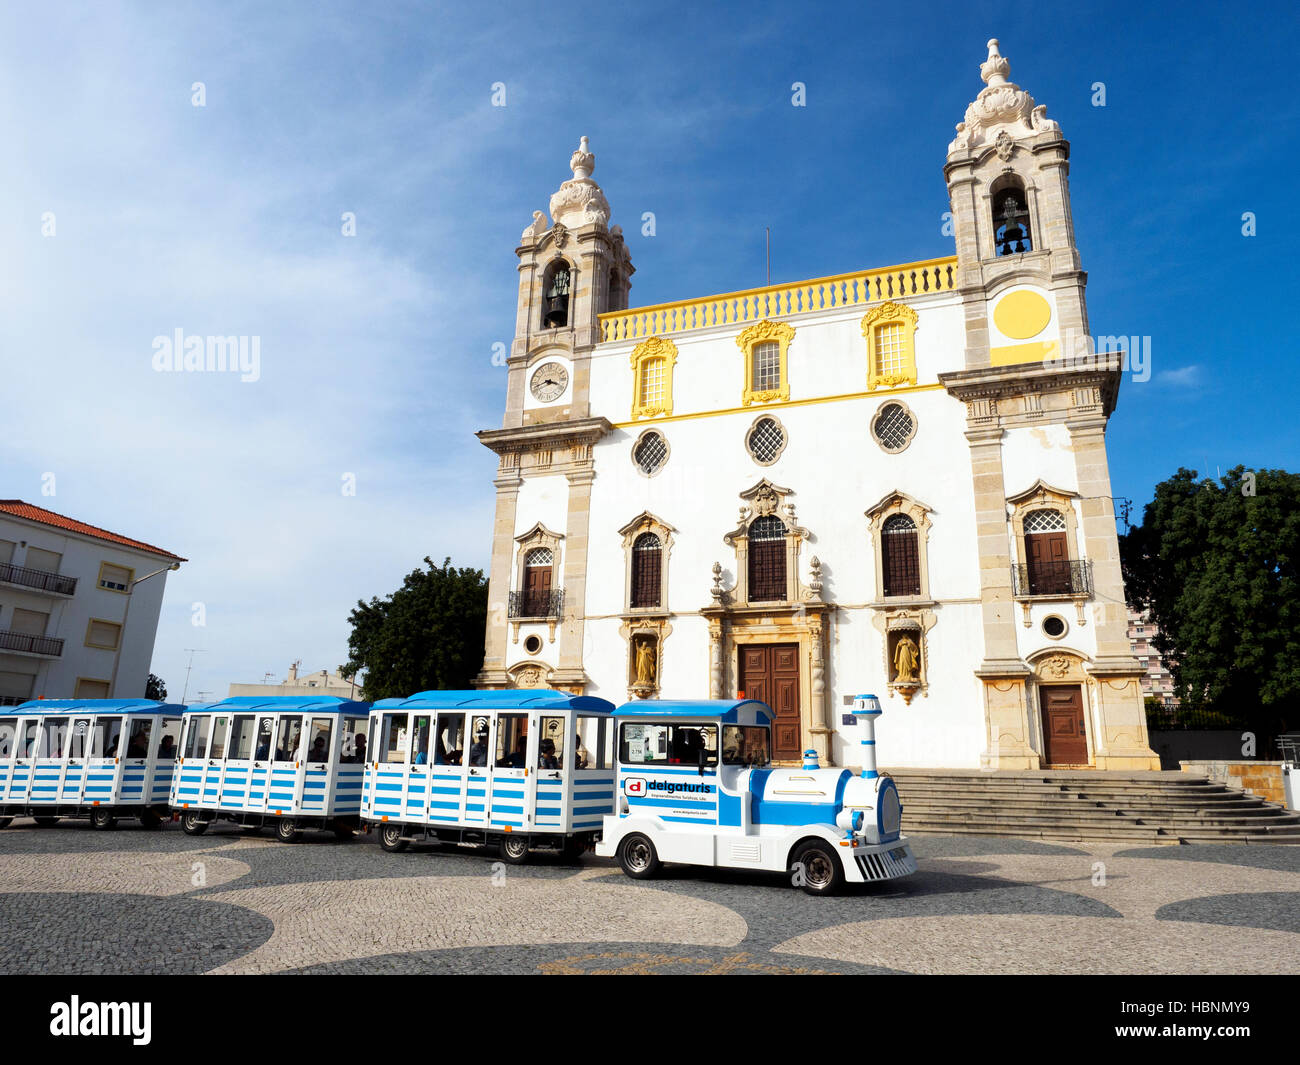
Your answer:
<point x="514" y="849"/>
<point x="390" y="838"/>
<point x="102" y="819"/>
<point x="286" y="831"/>
<point x="192" y="824"/>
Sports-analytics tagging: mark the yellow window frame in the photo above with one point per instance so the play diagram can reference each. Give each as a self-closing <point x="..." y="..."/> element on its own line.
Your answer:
<point x="642" y="355"/>
<point x="887" y="314"/>
<point x="766" y="332"/>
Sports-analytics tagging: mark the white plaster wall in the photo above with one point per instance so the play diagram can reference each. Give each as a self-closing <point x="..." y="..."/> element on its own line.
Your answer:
<point x="1031" y="453"/>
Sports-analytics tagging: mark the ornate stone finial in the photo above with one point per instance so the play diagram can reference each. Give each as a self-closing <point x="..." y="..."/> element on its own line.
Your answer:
<point x="995" y="69"/>
<point x="716" y="590"/>
<point x="815" y="577"/>
<point x="582" y="162"/>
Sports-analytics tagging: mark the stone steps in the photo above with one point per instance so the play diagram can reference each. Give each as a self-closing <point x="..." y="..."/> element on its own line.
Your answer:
<point x="1064" y="805"/>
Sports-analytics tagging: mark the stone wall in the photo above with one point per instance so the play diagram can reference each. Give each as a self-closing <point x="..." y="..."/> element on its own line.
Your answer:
<point x="1255" y="778"/>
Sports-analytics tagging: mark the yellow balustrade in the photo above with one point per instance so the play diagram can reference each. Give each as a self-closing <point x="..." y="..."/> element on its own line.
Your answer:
<point x="779" y="301"/>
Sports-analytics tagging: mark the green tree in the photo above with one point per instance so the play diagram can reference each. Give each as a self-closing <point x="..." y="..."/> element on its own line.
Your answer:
<point x="154" y="688"/>
<point x="427" y="634"/>
<point x="1215" y="564"/>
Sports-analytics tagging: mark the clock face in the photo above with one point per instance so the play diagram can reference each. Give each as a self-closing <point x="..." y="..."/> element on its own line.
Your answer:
<point x="549" y="382"/>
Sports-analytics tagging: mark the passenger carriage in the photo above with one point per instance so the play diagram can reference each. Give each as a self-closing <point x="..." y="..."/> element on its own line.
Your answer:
<point x="98" y="758"/>
<point x="695" y="786"/>
<point x="286" y="761"/>
<point x="515" y="769"/>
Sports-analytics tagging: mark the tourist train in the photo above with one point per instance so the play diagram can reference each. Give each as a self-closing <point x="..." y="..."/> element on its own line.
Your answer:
<point x="519" y="771"/>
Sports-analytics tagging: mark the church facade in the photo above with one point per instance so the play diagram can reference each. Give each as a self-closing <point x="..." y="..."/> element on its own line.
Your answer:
<point x="890" y="481"/>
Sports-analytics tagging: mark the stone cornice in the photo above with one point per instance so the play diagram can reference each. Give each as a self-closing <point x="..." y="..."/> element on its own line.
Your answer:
<point x="585" y="431"/>
<point x="1101" y="371"/>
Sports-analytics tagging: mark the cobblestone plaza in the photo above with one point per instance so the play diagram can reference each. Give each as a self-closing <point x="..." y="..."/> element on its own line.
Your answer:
<point x="136" y="902"/>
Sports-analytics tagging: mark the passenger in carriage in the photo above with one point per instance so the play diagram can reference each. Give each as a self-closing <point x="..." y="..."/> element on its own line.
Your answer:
<point x="318" y="752"/>
<point x="360" y="756"/>
<point x="519" y="759"/>
<point x="548" y="760"/>
<point x="478" y="751"/>
<point x="166" y="748"/>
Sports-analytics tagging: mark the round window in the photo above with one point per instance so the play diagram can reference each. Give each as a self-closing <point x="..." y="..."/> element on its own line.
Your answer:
<point x="650" y="453"/>
<point x="766" y="441"/>
<point x="1054" y="627"/>
<point x="893" y="427"/>
<point x="533" y="644"/>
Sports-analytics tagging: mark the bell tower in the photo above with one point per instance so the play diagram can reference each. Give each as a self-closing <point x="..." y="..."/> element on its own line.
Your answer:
<point x="572" y="268"/>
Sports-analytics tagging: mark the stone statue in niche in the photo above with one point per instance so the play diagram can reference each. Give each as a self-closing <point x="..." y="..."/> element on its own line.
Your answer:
<point x="645" y="662"/>
<point x="907" y="660"/>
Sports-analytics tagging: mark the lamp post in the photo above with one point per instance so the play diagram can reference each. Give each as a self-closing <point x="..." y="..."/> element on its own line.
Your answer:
<point x="117" y="657"/>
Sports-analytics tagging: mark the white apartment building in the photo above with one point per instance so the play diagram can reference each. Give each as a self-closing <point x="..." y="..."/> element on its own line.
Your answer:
<point x="79" y="607"/>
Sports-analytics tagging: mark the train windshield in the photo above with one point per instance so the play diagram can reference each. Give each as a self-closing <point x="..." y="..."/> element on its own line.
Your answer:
<point x="744" y="745"/>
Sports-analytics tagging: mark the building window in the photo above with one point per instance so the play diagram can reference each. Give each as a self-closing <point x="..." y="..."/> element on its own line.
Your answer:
<point x="90" y="689"/>
<point x="765" y="441"/>
<point x="652" y="377"/>
<point x="103" y="634"/>
<point x="767" y="560"/>
<point x="1047" y="553"/>
<point x="766" y="347"/>
<point x="556" y="284"/>
<point x="650" y="452"/>
<point x="539" y="563"/>
<point x="1054" y="627"/>
<point x="900" y="557"/>
<point x="647" y="571"/>
<point x="890" y="332"/>
<point x="893" y="427"/>
<point x="115" y="578"/>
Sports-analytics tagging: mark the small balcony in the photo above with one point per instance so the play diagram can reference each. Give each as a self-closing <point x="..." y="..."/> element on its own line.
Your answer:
<point x="542" y="605"/>
<point x="38" y="579"/>
<point x="27" y="644"/>
<point x="1070" y="579"/>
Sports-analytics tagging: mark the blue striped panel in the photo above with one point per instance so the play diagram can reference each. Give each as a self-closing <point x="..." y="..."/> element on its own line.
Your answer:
<point x="591" y="808"/>
<point x="445" y="806"/>
<point x="503" y="793"/>
<point x="499" y="809"/>
<point x="589" y="796"/>
<point x="133" y="776"/>
<point x="281" y="796"/>
<point x="474" y="807"/>
<point x="186" y="792"/>
<point x="478" y="793"/>
<point x="512" y="824"/>
<point x="548" y="811"/>
<point x="587" y="824"/>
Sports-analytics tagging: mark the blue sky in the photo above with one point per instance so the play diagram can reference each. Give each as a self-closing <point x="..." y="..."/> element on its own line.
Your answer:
<point x="376" y="349"/>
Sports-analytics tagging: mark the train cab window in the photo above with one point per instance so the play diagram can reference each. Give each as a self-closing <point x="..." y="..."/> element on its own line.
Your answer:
<point x="651" y="744"/>
<point x="137" y="745"/>
<point x="78" y="738"/>
<point x="478" y="750"/>
<point x="550" y="748"/>
<point x="449" y="740"/>
<point x="352" y="748"/>
<point x="106" y="738"/>
<point x="420" y="750"/>
<point x="54" y="736"/>
<point x="392" y="741"/>
<point x="744" y="745"/>
<point x="592" y="743"/>
<point x="171" y="732"/>
<point x="512" y="741"/>
<point x="241" y="738"/>
<point x="30" y="731"/>
<point x="287" y="747"/>
<point x="196" y="736"/>
<point x="265" y="739"/>
<point x="220" y="732"/>
<point x="8" y="737"/>
<point x="318" y="749"/>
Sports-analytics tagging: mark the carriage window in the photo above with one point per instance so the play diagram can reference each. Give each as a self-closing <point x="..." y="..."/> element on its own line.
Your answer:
<point x="219" y="733"/>
<point x="371" y="747"/>
<point x="449" y="740"/>
<point x="478" y="750"/>
<point x="104" y="740"/>
<point x="138" y="745"/>
<point x="196" y="737"/>
<point x="171" y="732"/>
<point x="591" y="748"/>
<point x="550" y="748"/>
<point x="352" y="749"/>
<point x="265" y="739"/>
<point x="29" y="739"/>
<point x="392" y="747"/>
<point x="286" y="748"/>
<point x="420" y="752"/>
<point x="8" y="737"/>
<point x="645" y="744"/>
<point x="744" y="745"/>
<point x="512" y="740"/>
<point x="318" y="744"/>
<point x="241" y="738"/>
<point x="53" y="737"/>
<point x="79" y="738"/>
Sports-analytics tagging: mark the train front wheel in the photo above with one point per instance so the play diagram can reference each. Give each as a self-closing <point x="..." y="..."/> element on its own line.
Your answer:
<point x="816" y="868"/>
<point x="638" y="857"/>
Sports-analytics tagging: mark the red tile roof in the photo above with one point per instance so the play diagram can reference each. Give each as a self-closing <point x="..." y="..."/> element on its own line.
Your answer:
<point x="19" y="509"/>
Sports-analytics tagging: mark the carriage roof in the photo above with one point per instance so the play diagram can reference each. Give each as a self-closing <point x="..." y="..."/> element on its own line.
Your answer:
<point x="505" y="699"/>
<point x="92" y="706"/>
<point x="728" y="711"/>
<point x="316" y="704"/>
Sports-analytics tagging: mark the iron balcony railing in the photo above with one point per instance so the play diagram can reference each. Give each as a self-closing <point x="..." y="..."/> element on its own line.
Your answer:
<point x="548" y="604"/>
<point x="37" y="645"/>
<point x="1073" y="577"/>
<point x="37" y="578"/>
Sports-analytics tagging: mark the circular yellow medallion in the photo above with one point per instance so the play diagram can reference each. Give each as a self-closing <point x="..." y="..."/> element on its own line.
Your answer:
<point x="1022" y="315"/>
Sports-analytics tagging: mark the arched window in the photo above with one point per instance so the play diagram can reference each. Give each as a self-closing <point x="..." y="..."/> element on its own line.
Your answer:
<point x="899" y="556"/>
<point x="1011" y="221"/>
<point x="556" y="284"/>
<point x="538" y="566"/>
<point x="767" y="560"/>
<point x="647" y="571"/>
<point x="1047" y="551"/>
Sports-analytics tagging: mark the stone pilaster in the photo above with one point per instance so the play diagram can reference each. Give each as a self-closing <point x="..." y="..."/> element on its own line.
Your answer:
<point x="577" y="533"/>
<point x="493" y="673"/>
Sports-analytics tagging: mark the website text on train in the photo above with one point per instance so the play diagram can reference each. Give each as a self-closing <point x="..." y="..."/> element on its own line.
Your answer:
<point x="695" y="786"/>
